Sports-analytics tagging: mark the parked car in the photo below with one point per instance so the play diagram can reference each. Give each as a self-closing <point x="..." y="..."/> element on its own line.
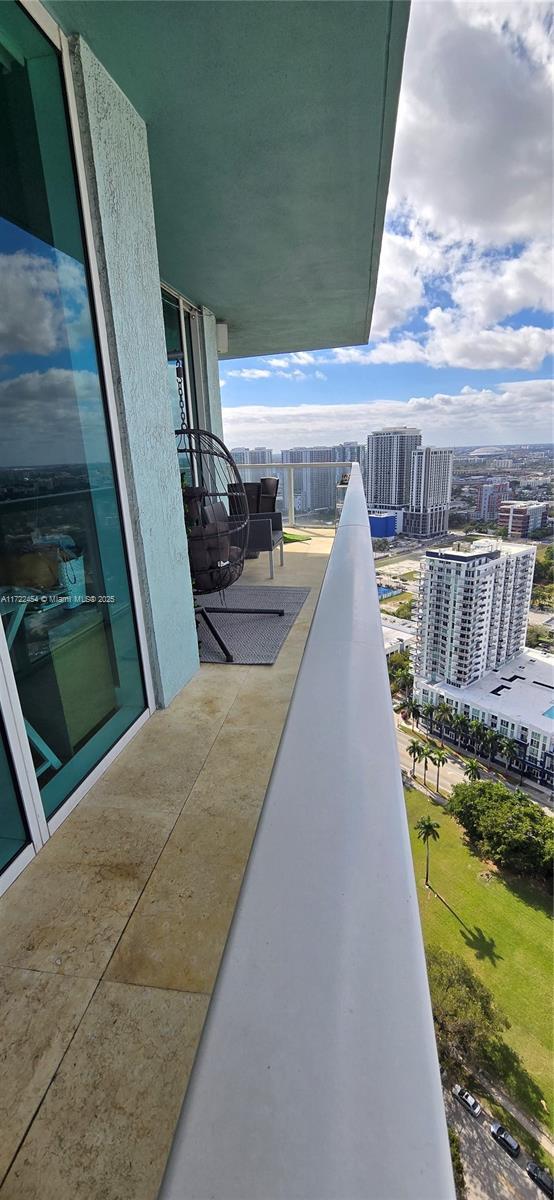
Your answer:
<point x="467" y="1100"/>
<point x="542" y="1178"/>
<point x="505" y="1139"/>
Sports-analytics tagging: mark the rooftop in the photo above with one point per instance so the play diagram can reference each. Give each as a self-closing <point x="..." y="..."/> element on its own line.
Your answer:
<point x="479" y="547"/>
<point x="521" y="690"/>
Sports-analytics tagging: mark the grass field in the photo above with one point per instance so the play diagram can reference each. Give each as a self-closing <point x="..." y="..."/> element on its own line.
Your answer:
<point x="503" y="931"/>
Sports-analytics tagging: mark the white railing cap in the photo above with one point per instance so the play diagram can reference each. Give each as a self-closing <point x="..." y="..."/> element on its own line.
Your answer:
<point x="317" y="1073"/>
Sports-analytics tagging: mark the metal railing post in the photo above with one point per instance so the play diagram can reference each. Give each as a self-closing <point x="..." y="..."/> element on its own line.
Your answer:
<point x="290" y="494"/>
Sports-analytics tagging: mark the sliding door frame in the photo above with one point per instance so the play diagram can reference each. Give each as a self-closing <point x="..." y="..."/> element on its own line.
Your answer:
<point x="39" y="827"/>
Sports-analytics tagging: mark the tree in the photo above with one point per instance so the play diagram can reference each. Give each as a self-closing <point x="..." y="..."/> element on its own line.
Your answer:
<point x="413" y="710"/>
<point x="404" y="682"/>
<point x="509" y="748"/>
<point x="425" y="756"/>
<point x="477" y="729"/>
<point x="467" y="1020"/>
<point x="505" y="826"/>
<point x="443" y="716"/>
<point x="428" y="712"/>
<point x="414" y="750"/>
<point x="427" y="831"/>
<point x="472" y="770"/>
<point x="439" y="758"/>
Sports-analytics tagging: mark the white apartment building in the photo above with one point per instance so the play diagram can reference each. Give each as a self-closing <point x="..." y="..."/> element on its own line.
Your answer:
<point x="473" y="610"/>
<point x="389" y="462"/>
<point x="430" y="491"/>
<point x="516" y="700"/>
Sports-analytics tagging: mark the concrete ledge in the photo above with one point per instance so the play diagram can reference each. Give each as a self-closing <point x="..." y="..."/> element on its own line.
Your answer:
<point x="317" y="1074"/>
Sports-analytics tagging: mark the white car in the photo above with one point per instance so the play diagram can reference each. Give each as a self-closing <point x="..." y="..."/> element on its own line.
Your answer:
<point x="467" y="1100"/>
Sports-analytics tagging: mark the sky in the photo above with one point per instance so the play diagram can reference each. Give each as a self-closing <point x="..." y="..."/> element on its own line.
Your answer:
<point x="460" y="341"/>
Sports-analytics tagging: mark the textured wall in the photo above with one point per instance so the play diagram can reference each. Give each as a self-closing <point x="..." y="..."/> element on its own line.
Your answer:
<point x="118" y="173"/>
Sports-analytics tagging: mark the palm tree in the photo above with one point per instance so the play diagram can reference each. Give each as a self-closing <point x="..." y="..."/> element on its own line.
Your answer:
<point x="425" y="756"/>
<point x="414" y="750"/>
<point x="403" y="681"/>
<point x="473" y="770"/>
<point x="427" y="830"/>
<point x="509" y="748"/>
<point x="476" y="730"/>
<point x="428" y="711"/>
<point x="443" y="716"/>
<point x="455" y="727"/>
<point x="439" y="758"/>
<point x="494" y="742"/>
<point x="413" y="710"/>
<point x="463" y="727"/>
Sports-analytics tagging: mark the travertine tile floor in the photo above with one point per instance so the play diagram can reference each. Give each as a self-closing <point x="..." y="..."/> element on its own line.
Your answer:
<point x="111" y="939"/>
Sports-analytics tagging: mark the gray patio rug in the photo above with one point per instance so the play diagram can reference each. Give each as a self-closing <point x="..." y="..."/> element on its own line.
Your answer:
<point x="254" y="640"/>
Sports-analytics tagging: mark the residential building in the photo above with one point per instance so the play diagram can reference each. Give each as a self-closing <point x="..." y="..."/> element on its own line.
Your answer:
<point x="489" y="497"/>
<point x="389" y="463"/>
<point x="430" y="490"/>
<point x="515" y="701"/>
<point x="473" y="610"/>
<point x="159" y="201"/>
<point x="522" y="518"/>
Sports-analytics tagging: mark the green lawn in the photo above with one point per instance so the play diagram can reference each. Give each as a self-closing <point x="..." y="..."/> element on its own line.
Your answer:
<point x="504" y="933"/>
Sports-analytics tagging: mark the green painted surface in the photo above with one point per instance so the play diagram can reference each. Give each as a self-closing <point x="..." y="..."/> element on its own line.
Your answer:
<point x="270" y="130"/>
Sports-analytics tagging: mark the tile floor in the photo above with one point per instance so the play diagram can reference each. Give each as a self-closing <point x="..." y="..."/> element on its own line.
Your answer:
<point x="111" y="939"/>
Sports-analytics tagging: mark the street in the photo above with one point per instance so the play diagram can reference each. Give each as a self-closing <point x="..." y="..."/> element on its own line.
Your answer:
<point x="490" y="1173"/>
<point x="453" y="770"/>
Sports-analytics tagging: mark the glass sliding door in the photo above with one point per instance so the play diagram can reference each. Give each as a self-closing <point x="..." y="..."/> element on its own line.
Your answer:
<point x="65" y="598"/>
<point x="180" y="363"/>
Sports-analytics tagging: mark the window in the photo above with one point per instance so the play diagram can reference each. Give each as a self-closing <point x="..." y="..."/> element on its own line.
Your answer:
<point x="180" y="364"/>
<point x="65" y="595"/>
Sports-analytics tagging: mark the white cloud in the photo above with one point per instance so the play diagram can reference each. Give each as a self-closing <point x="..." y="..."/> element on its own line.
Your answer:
<point x="319" y="375"/>
<point x="249" y="373"/>
<point x="65" y="412"/>
<point x="473" y="144"/>
<point x="43" y="304"/>
<point x="518" y="411"/>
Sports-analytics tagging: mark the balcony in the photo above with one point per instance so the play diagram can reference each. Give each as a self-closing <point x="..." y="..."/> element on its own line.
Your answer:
<point x="319" y="1046"/>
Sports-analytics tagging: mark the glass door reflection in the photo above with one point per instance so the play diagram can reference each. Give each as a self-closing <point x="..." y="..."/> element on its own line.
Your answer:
<point x="64" y="585"/>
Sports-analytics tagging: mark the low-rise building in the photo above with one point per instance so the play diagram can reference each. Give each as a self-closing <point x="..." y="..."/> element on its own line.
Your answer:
<point x="522" y="517"/>
<point x="516" y="700"/>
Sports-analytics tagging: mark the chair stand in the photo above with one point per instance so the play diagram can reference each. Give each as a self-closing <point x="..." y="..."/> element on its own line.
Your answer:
<point x="202" y="611"/>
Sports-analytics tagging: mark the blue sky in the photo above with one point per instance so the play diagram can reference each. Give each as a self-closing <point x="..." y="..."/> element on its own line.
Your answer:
<point x="460" y="337"/>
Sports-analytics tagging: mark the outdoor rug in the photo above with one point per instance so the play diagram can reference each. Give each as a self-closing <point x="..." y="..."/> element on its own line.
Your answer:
<point x="254" y="640"/>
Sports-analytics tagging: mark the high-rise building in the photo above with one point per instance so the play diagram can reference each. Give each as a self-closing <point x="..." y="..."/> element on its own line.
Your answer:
<point x="489" y="497"/>
<point x="522" y="517"/>
<point x="430" y="490"/>
<point x="241" y="455"/>
<point x="389" y="461"/>
<point x="473" y="610"/>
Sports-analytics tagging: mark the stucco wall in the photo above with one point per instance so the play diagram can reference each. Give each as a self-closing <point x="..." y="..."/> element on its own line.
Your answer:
<point x="118" y="173"/>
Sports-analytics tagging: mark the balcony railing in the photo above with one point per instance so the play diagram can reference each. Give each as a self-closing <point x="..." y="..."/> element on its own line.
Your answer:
<point x="309" y="492"/>
<point x="317" y="1074"/>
